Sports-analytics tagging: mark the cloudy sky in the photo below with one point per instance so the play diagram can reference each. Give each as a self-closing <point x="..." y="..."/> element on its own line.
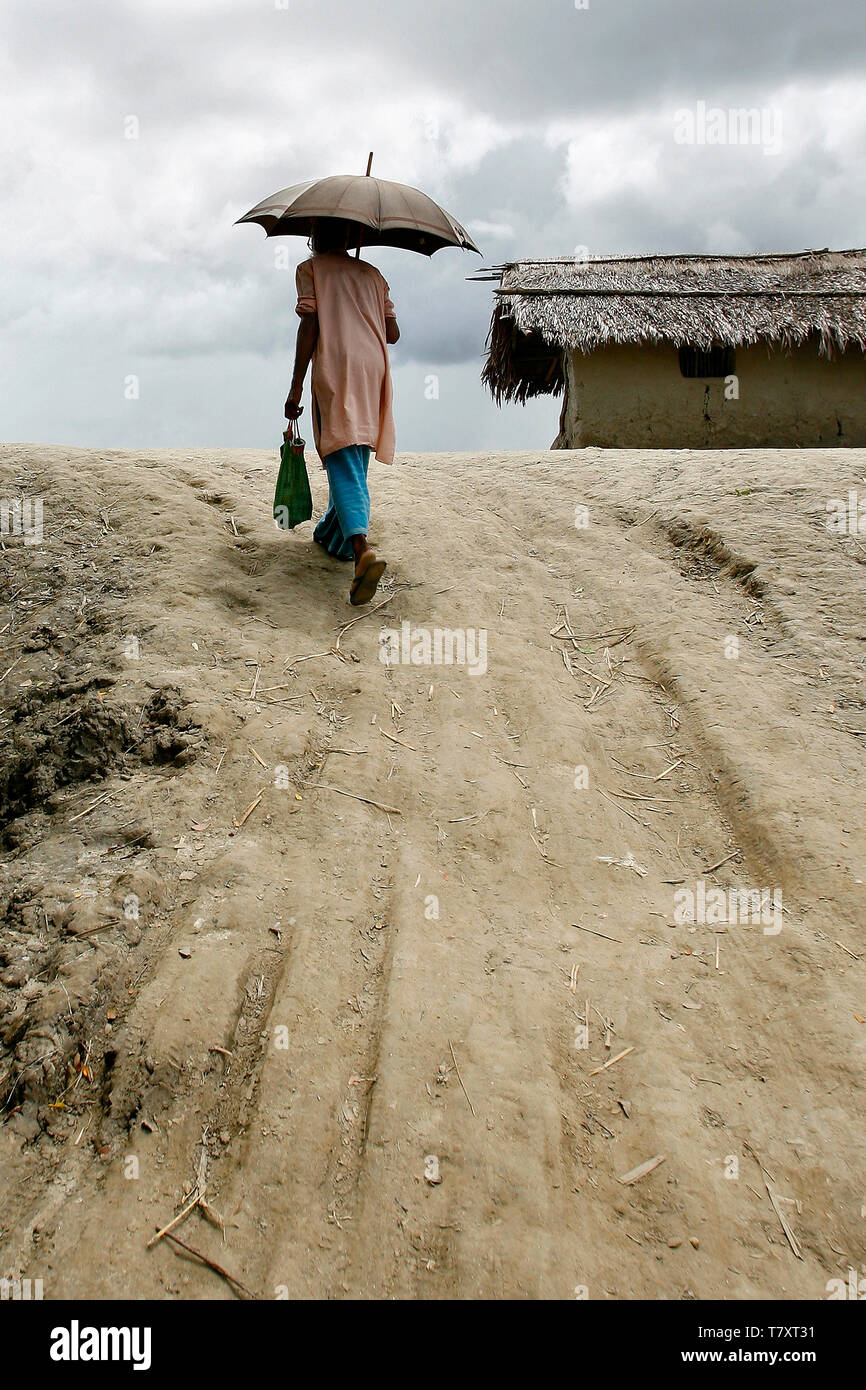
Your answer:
<point x="134" y="132"/>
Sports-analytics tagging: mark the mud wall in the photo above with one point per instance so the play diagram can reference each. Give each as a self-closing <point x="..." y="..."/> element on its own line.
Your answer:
<point x="635" y="397"/>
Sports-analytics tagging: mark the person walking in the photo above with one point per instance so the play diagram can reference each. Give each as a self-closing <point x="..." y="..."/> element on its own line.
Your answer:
<point x="347" y="323"/>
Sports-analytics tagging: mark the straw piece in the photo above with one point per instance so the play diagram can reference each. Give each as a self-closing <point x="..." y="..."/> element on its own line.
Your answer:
<point x="635" y="1174"/>
<point x="323" y="787"/>
<point x="611" y="1060"/>
<point x="248" y="812"/>
<point x="459" y="1077"/>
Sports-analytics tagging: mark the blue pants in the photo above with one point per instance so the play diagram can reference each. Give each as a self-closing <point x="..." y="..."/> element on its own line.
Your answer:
<point x="348" y="511"/>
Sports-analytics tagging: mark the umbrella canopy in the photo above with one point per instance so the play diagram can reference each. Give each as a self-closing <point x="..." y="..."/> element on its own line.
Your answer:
<point x="388" y="214"/>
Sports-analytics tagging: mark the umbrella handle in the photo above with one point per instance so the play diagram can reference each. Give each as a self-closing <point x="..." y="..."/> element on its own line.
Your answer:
<point x="360" y="233"/>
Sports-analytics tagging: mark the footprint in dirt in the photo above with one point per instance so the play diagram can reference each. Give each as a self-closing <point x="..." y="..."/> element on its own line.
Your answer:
<point x="214" y="498"/>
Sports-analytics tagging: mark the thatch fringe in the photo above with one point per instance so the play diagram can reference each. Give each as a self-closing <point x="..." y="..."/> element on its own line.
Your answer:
<point x="546" y="308"/>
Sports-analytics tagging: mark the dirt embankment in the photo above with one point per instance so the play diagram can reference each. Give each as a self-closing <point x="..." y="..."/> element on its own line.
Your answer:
<point x="398" y="959"/>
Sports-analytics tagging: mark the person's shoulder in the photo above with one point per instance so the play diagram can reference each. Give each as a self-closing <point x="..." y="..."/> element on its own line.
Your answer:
<point x="371" y="271"/>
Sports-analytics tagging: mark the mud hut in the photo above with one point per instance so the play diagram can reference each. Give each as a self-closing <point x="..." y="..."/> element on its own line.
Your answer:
<point x="684" y="352"/>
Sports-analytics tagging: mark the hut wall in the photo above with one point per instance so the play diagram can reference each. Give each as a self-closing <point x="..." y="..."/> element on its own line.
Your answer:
<point x="633" y="396"/>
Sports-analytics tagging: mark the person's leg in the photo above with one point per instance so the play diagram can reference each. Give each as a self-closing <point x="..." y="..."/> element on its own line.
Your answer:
<point x="348" y="502"/>
<point x="347" y="472"/>
<point x="347" y="475"/>
<point x="349" y="495"/>
<point x="358" y="540"/>
<point x="368" y="567"/>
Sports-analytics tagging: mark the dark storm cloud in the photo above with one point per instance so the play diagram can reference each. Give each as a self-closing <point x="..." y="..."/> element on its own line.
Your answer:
<point x="543" y="126"/>
<point x="514" y="58"/>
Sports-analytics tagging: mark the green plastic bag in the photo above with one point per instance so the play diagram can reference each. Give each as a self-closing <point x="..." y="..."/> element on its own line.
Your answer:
<point x="293" y="501"/>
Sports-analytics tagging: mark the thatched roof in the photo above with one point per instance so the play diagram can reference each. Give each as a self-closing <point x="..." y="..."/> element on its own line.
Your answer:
<point x="546" y="307"/>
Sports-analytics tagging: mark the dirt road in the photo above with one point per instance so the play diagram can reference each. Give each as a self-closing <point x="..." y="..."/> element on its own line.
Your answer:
<point x="393" y="959"/>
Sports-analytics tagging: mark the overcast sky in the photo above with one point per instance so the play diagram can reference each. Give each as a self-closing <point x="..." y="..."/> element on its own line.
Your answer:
<point x="542" y="125"/>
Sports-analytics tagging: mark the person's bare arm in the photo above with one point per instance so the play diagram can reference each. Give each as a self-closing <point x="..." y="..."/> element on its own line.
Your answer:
<point x="392" y="332"/>
<point x="308" y="334"/>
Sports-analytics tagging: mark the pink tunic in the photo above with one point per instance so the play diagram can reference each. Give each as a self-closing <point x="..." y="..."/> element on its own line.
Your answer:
<point x="351" y="378"/>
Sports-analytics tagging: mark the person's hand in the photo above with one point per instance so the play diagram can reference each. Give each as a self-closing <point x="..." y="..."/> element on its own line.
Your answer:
<point x="292" y="408"/>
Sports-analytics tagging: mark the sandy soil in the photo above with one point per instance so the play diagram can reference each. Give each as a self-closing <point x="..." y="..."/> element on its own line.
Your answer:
<point x="226" y="968"/>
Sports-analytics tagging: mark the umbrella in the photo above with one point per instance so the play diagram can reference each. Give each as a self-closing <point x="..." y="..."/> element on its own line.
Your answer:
<point x="387" y="214"/>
